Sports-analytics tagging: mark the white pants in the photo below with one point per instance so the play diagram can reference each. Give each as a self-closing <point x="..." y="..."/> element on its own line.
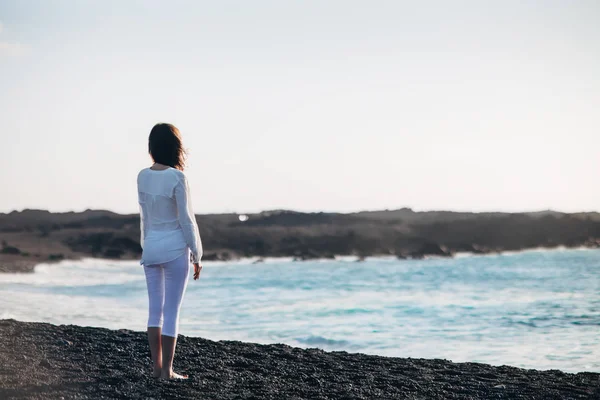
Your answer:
<point x="166" y="286"/>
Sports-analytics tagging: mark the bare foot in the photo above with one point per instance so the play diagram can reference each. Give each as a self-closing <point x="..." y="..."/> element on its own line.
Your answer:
<point x="156" y="373"/>
<point x="173" y="375"/>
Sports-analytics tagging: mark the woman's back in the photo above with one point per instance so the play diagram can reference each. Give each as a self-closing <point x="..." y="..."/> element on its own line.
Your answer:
<point x="156" y="190"/>
<point x="168" y="225"/>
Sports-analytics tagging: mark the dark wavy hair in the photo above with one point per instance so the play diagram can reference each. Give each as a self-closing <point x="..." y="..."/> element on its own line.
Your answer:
<point x="165" y="146"/>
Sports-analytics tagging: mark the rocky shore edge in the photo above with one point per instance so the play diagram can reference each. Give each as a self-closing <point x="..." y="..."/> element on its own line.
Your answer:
<point x="10" y="264"/>
<point x="31" y="237"/>
<point x="44" y="361"/>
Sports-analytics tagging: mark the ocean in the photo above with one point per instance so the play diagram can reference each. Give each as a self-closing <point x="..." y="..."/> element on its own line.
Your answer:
<point x="534" y="309"/>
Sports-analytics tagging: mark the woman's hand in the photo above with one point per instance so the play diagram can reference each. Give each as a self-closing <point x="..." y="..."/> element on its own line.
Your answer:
<point x="197" y="269"/>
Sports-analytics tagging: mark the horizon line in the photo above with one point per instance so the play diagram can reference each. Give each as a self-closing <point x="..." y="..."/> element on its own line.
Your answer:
<point x="539" y="211"/>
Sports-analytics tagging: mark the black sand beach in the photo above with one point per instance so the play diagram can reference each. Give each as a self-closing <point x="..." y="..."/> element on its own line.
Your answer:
<point x="43" y="361"/>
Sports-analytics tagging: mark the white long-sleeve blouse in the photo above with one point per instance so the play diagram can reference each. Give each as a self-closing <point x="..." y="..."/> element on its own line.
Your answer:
<point x="167" y="222"/>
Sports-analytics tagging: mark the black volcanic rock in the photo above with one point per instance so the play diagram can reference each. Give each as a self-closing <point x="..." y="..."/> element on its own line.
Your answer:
<point x="43" y="361"/>
<point x="217" y="256"/>
<point x="472" y="248"/>
<point x="431" y="249"/>
<point x="10" y="250"/>
<point x="309" y="254"/>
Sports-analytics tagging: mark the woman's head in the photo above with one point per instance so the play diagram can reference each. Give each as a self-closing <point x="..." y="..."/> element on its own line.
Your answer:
<point x="165" y="146"/>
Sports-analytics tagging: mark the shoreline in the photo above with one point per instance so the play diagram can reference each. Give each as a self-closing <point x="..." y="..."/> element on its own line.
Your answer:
<point x="48" y="361"/>
<point x="17" y="265"/>
<point x="30" y="237"/>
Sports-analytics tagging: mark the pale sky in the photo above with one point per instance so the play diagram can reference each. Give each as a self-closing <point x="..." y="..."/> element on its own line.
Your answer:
<point x="306" y="105"/>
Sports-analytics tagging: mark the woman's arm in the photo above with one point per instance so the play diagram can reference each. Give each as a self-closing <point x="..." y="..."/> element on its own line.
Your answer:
<point x="141" y="199"/>
<point x="187" y="219"/>
<point x="142" y="233"/>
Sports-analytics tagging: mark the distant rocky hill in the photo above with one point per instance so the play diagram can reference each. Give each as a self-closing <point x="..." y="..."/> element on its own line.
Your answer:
<point x="40" y="235"/>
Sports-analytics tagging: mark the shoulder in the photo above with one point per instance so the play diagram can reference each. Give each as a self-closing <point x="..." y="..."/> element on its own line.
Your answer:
<point x="179" y="175"/>
<point x="142" y="173"/>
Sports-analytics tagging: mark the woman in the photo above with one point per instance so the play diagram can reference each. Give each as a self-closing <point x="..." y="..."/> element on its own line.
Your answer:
<point x="169" y="237"/>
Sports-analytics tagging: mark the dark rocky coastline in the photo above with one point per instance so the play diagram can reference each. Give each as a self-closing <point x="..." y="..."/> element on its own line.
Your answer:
<point x="31" y="237"/>
<point x="43" y="361"/>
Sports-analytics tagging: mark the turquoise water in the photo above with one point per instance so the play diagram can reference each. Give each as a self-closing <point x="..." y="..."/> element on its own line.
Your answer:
<point x="536" y="309"/>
